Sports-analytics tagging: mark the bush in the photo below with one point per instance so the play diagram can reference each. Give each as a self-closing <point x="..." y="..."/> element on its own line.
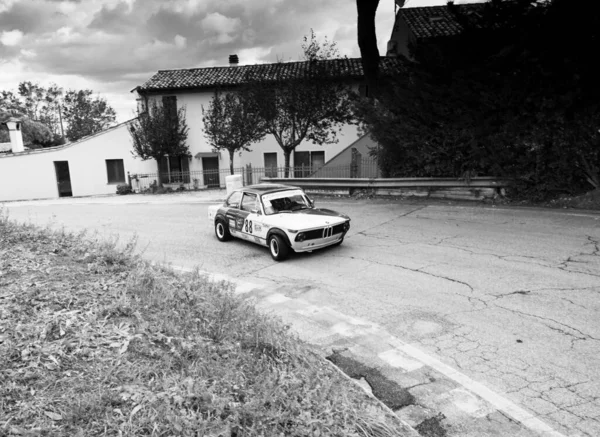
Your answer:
<point x="123" y="189"/>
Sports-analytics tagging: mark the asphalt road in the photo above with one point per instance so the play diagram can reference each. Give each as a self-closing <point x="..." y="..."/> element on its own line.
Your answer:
<point x="499" y="299"/>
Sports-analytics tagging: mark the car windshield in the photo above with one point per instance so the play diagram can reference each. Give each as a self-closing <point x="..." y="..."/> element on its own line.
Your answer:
<point x="284" y="201"/>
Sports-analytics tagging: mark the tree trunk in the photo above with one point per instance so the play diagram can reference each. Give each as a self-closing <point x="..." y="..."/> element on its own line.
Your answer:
<point x="231" y="152"/>
<point x="367" y="42"/>
<point x="159" y="174"/>
<point x="286" y="154"/>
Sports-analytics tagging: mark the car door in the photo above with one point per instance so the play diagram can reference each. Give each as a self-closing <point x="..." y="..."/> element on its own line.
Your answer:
<point x="232" y="214"/>
<point x="259" y="224"/>
<point x="244" y="217"/>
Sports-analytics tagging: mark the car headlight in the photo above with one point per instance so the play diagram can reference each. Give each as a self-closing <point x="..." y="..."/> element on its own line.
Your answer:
<point x="301" y="237"/>
<point x="346" y="226"/>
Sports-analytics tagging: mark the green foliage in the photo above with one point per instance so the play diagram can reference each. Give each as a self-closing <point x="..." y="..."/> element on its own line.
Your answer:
<point x="124" y="189"/>
<point x="511" y="96"/>
<point x="86" y="115"/>
<point x="35" y="134"/>
<point x="231" y="122"/>
<point x="96" y="341"/>
<point x="312" y="107"/>
<point x="52" y="107"/>
<point x="160" y="132"/>
<point x="37" y="103"/>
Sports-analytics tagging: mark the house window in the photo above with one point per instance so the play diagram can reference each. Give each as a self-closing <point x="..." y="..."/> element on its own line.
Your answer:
<point x="271" y="165"/>
<point x="170" y="105"/>
<point x="115" y="171"/>
<point x="317" y="160"/>
<point x="306" y="163"/>
<point x="142" y="105"/>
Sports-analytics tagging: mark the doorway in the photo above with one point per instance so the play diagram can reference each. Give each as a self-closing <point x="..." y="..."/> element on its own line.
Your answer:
<point x="63" y="178"/>
<point x="210" y="169"/>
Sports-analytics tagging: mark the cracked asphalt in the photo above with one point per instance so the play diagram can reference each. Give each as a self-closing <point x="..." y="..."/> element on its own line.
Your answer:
<point x="488" y="316"/>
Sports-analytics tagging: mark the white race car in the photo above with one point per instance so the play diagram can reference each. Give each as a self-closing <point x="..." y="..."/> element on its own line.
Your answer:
<point x="281" y="217"/>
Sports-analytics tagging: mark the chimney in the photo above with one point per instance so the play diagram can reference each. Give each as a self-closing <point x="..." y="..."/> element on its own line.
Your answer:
<point x="16" y="137"/>
<point x="233" y="60"/>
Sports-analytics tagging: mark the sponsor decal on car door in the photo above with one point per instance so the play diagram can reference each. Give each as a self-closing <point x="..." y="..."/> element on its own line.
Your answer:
<point x="247" y="220"/>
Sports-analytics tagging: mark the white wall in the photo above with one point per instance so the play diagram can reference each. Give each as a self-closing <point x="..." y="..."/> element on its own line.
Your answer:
<point x="197" y="142"/>
<point x="31" y="174"/>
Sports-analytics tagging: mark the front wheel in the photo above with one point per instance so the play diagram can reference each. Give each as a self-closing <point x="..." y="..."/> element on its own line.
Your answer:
<point x="278" y="248"/>
<point x="222" y="231"/>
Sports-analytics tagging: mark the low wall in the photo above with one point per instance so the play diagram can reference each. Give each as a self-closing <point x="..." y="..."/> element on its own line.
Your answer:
<point x="443" y="188"/>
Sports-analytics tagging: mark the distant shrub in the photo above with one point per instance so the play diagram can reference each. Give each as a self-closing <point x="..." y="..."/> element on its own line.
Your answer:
<point x="123" y="189"/>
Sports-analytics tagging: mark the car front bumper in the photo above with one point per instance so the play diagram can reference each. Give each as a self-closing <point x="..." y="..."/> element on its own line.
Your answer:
<point x="309" y="245"/>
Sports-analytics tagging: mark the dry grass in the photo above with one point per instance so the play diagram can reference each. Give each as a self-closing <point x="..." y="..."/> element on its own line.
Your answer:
<point x="96" y="341"/>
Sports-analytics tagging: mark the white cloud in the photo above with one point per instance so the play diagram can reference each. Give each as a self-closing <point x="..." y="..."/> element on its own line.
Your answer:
<point x="180" y="41"/>
<point x="253" y="55"/>
<point x="187" y="7"/>
<point x="5" y="5"/>
<point x="28" y="53"/>
<point x="219" y="23"/>
<point x="11" y="38"/>
<point x="152" y="50"/>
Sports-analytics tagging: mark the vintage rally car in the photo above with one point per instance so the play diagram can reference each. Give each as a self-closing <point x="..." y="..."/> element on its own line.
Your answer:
<point x="281" y="217"/>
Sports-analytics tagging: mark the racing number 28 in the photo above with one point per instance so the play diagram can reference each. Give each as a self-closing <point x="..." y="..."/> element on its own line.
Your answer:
<point x="248" y="226"/>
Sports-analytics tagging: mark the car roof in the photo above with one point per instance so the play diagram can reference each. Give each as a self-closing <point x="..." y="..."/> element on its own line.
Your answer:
<point x="267" y="188"/>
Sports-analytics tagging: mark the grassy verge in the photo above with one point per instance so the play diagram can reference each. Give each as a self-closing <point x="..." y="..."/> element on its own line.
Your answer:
<point x="96" y="341"/>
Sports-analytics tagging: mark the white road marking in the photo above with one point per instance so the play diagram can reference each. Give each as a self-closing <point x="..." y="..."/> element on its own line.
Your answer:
<point x="354" y="327"/>
<point x="396" y="359"/>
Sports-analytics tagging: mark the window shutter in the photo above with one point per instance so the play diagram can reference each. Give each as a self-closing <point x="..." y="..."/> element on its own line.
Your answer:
<point x="170" y="105"/>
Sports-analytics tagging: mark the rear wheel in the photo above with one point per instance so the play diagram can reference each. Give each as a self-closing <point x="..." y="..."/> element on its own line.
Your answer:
<point x="222" y="231"/>
<point x="278" y="248"/>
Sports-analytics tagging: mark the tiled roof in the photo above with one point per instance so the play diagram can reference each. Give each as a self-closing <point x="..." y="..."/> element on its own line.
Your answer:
<point x="210" y="77"/>
<point x="438" y="21"/>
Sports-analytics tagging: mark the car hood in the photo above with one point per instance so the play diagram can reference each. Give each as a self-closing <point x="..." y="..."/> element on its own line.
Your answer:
<point x="307" y="218"/>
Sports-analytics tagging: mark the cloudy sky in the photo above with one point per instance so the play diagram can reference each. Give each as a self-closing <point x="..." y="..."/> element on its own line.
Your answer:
<point x="111" y="46"/>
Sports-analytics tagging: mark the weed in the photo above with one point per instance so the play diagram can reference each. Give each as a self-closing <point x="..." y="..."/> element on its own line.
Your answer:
<point x="96" y="341"/>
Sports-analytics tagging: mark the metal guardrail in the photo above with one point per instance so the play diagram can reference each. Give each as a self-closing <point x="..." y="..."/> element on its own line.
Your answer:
<point x="390" y="183"/>
<point x="215" y="178"/>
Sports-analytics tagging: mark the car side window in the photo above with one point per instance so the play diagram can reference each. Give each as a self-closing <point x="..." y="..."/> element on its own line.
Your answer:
<point x="233" y="201"/>
<point x="249" y="202"/>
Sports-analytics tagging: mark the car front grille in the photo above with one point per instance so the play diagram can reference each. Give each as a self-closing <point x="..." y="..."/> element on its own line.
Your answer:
<point x="324" y="232"/>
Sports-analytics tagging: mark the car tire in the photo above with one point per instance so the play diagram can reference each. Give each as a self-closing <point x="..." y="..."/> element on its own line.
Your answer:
<point x="278" y="248"/>
<point x="222" y="231"/>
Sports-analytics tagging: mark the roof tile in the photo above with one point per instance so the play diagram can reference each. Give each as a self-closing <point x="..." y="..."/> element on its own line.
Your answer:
<point x="437" y="21"/>
<point x="211" y="77"/>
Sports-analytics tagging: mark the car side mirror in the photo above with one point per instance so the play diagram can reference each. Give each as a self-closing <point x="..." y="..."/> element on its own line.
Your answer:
<point x="311" y="202"/>
<point x="255" y="211"/>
